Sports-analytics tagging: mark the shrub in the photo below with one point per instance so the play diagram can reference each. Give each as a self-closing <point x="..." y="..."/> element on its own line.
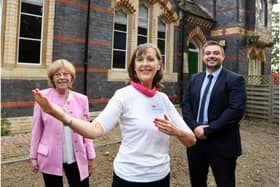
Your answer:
<point x="5" y="124"/>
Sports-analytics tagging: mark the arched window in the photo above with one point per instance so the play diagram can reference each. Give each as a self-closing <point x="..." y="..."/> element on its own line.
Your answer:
<point x="260" y="13"/>
<point x="193" y="58"/>
<point x="162" y="40"/>
<point x="120" y="40"/>
<point x="138" y="29"/>
<point x="143" y="23"/>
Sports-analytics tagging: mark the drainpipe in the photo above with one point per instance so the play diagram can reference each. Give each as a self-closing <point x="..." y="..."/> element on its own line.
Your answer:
<point x="182" y="61"/>
<point x="86" y="49"/>
<point x="214" y="9"/>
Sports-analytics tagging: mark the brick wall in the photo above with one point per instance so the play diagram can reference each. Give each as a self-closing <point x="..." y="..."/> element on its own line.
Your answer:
<point x="21" y="125"/>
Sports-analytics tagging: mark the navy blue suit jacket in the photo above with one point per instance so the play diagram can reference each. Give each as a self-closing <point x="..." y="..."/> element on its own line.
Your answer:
<point x="226" y="109"/>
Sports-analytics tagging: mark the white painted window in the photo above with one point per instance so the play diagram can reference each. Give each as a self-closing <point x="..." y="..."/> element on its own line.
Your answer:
<point x="120" y="40"/>
<point x="161" y="40"/>
<point x="30" y="31"/>
<point x="143" y="23"/>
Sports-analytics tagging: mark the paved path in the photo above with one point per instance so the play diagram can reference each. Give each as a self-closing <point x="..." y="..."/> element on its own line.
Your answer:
<point x="16" y="147"/>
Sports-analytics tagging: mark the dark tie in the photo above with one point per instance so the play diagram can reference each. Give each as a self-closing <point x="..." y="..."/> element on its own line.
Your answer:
<point x="201" y="111"/>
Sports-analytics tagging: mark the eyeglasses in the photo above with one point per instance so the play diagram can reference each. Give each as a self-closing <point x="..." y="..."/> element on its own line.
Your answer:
<point x="63" y="74"/>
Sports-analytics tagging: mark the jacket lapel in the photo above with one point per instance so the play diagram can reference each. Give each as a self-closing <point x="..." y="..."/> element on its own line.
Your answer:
<point x="200" y="79"/>
<point x="217" y="83"/>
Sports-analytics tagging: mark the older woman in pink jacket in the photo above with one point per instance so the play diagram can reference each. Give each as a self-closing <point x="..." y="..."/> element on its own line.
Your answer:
<point x="54" y="147"/>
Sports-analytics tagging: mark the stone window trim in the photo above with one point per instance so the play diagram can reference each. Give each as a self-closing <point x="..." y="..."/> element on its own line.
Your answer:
<point x="11" y="69"/>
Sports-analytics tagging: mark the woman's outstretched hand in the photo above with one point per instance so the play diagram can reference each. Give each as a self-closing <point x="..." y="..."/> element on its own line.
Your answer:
<point x="42" y="101"/>
<point x="47" y="106"/>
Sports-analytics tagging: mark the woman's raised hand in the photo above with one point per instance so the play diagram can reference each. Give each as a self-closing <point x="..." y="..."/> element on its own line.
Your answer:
<point x="46" y="105"/>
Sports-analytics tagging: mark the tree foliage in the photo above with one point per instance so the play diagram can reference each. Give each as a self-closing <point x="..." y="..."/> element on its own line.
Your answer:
<point x="275" y="40"/>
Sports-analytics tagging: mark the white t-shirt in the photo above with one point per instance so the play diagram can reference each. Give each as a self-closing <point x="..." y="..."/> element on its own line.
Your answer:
<point x="144" y="151"/>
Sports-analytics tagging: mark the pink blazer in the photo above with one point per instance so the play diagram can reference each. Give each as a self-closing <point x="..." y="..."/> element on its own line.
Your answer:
<point x="47" y="135"/>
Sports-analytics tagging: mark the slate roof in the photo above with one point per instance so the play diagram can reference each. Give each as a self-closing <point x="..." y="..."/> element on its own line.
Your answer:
<point x="194" y="9"/>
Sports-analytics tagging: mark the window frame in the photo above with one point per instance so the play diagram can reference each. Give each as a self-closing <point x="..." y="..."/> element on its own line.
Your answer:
<point x="27" y="38"/>
<point x="148" y="23"/>
<point x="126" y="42"/>
<point x="162" y="39"/>
<point x="11" y="69"/>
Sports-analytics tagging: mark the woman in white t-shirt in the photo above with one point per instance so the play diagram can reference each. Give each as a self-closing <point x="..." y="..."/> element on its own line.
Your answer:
<point x="146" y="117"/>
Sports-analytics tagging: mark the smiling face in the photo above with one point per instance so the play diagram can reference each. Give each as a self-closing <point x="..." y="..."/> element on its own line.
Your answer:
<point x="213" y="57"/>
<point x="62" y="80"/>
<point x="146" y="66"/>
<point x="61" y="75"/>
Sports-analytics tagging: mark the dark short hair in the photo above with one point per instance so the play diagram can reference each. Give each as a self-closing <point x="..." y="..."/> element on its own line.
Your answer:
<point x="213" y="42"/>
<point x="142" y="49"/>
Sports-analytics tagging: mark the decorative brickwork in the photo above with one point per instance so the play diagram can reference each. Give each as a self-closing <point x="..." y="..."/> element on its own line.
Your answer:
<point x="128" y="4"/>
<point x="197" y="33"/>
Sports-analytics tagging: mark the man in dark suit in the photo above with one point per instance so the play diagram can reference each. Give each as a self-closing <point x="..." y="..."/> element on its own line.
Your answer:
<point x="213" y="106"/>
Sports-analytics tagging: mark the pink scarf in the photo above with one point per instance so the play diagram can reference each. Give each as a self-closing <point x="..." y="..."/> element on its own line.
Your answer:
<point x="143" y="90"/>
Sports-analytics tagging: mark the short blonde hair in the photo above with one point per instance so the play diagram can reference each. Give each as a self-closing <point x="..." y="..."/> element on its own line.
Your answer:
<point x="57" y="65"/>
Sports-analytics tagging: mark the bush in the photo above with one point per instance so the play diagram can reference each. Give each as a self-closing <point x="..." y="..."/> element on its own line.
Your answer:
<point x="5" y="124"/>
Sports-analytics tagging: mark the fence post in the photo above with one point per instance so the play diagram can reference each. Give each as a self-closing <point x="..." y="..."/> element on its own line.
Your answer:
<point x="271" y="97"/>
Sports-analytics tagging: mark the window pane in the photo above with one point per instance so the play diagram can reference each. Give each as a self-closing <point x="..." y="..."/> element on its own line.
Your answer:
<point x="192" y="46"/>
<point x="142" y="40"/>
<point x="29" y="51"/>
<point x="119" y="59"/>
<point x="120" y="27"/>
<point x="143" y="21"/>
<point x="120" y="17"/>
<point x="143" y="16"/>
<point x="161" y="34"/>
<point x="32" y="9"/>
<point x="34" y="2"/>
<point x="120" y="37"/>
<point x="161" y="46"/>
<point x="119" y="40"/>
<point x="161" y="40"/>
<point x="161" y="26"/>
<point x="163" y="60"/>
<point x="30" y="27"/>
<point x="142" y="31"/>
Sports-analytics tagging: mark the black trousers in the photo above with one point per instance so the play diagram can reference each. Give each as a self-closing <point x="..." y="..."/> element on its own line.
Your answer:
<point x="72" y="175"/>
<point x="118" y="182"/>
<point x="203" y="155"/>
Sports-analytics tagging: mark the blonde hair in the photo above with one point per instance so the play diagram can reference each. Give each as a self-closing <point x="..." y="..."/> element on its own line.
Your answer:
<point x="57" y="65"/>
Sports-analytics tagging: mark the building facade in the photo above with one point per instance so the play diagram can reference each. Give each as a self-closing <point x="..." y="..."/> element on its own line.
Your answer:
<point x="98" y="37"/>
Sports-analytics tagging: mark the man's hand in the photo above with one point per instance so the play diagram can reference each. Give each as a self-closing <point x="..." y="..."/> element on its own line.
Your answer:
<point x="199" y="132"/>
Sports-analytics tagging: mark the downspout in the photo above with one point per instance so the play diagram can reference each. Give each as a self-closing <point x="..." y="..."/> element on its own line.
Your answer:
<point x="182" y="61"/>
<point x="86" y="49"/>
<point x="214" y="9"/>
